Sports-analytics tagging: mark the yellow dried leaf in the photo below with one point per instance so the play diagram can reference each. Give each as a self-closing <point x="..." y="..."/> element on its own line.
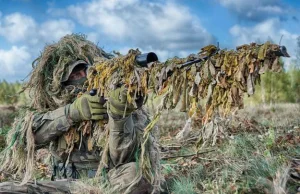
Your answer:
<point x="90" y="143"/>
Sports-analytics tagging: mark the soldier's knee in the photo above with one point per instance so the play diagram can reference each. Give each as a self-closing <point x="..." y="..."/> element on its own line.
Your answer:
<point x="127" y="176"/>
<point x="125" y="173"/>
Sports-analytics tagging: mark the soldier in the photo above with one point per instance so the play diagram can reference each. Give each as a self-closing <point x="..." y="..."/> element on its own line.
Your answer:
<point x="55" y="118"/>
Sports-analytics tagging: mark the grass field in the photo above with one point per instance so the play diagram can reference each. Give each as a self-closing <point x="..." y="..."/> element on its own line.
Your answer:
<point x="257" y="151"/>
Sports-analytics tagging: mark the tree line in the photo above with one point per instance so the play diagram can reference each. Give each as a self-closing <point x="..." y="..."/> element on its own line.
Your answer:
<point x="9" y="93"/>
<point x="283" y="87"/>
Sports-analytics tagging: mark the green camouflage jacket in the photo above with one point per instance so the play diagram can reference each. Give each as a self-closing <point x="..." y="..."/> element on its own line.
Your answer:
<point x="51" y="126"/>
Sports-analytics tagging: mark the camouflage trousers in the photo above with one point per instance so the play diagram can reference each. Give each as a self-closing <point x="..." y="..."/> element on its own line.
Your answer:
<point x="39" y="187"/>
<point x="120" y="179"/>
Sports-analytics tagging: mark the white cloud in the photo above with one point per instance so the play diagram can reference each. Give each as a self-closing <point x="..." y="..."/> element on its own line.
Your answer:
<point x="30" y="36"/>
<point x="261" y="31"/>
<point x="256" y="10"/>
<point x="160" y="26"/>
<point x="14" y="61"/>
<point x="271" y="9"/>
<point x="21" y="28"/>
<point x="16" y="27"/>
<point x="55" y="29"/>
<point x="267" y="30"/>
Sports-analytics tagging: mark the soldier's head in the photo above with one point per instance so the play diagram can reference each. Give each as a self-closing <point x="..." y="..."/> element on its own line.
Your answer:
<point x="60" y="71"/>
<point x="75" y="74"/>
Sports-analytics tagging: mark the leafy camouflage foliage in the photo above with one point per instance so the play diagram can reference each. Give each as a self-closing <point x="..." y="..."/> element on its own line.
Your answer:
<point x="221" y="78"/>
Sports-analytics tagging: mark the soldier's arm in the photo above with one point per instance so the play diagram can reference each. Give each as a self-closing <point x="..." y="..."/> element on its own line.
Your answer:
<point x="47" y="127"/>
<point x="122" y="140"/>
<point x="122" y="135"/>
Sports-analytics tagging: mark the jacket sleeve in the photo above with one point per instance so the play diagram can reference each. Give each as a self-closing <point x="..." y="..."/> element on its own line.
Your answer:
<point x="49" y="126"/>
<point x="122" y="140"/>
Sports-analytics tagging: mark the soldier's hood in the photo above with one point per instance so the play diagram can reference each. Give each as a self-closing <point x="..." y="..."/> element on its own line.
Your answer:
<point x="70" y="68"/>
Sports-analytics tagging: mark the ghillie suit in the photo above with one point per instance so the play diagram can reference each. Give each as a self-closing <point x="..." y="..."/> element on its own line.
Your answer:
<point x="47" y="94"/>
<point x="39" y="123"/>
<point x="124" y="178"/>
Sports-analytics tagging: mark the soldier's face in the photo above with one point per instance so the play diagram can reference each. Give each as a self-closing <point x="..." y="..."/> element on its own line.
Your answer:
<point x="77" y="74"/>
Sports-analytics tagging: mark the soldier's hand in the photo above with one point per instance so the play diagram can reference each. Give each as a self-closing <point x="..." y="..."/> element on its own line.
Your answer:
<point x="88" y="107"/>
<point x="118" y="104"/>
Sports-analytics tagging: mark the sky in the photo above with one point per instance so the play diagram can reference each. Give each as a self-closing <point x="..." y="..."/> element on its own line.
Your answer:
<point x="167" y="27"/>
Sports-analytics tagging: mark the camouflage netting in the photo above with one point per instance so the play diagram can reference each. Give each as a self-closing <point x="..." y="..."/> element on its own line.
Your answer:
<point x="222" y="78"/>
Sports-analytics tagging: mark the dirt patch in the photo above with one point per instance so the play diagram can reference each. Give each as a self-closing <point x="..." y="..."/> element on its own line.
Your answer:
<point x="7" y="114"/>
